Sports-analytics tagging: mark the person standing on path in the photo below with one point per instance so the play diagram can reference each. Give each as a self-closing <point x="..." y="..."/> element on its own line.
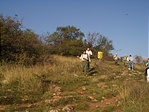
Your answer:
<point x="125" y="60"/>
<point x="85" y="58"/>
<point x="147" y="71"/>
<point x="147" y="64"/>
<point x="131" y="63"/>
<point x="115" y="57"/>
<point x="89" y="52"/>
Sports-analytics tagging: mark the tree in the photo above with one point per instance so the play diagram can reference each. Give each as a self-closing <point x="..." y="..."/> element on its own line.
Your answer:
<point x="105" y="44"/>
<point x="92" y="39"/>
<point x="10" y="32"/>
<point x="100" y="43"/>
<point x="139" y="59"/>
<point x="69" y="32"/>
<point x="17" y="45"/>
<point x="66" y="41"/>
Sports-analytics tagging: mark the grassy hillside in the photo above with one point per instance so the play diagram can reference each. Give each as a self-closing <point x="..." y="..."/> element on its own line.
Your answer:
<point x="61" y="86"/>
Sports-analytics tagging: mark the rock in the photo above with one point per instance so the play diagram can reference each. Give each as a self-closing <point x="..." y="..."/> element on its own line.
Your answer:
<point x="90" y="97"/>
<point x="57" y="89"/>
<point x="108" y="103"/>
<point x="53" y="111"/>
<point x="84" y="88"/>
<point x="48" y="101"/>
<point x="68" y="108"/>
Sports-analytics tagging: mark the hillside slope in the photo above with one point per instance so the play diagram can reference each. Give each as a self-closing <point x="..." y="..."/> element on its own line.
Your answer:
<point x="61" y="86"/>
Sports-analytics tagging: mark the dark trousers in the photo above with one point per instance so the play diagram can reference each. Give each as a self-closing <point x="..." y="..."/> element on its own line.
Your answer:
<point x="145" y="74"/>
<point x="88" y="64"/>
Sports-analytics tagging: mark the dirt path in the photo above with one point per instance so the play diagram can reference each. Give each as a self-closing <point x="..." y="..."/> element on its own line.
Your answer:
<point x="104" y="103"/>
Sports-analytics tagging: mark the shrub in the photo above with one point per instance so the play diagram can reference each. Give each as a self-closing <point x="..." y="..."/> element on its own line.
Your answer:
<point x="137" y="100"/>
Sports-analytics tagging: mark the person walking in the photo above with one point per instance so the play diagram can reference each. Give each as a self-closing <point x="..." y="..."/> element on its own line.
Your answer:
<point x="147" y="71"/>
<point x="131" y="63"/>
<point x="147" y="64"/>
<point x="115" y="57"/>
<point x="125" y="60"/>
<point x="85" y="58"/>
<point x="89" y="52"/>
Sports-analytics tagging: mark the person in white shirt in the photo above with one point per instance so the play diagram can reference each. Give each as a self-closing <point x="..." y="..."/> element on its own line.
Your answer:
<point x="85" y="58"/>
<point x="147" y="75"/>
<point x="147" y="71"/>
<point x="89" y="52"/>
<point x="115" y="57"/>
<point x="131" y="64"/>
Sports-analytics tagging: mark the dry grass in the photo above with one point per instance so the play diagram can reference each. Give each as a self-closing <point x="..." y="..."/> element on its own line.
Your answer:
<point x="106" y="80"/>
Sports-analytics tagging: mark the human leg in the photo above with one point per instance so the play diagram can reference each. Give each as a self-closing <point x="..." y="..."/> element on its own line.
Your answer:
<point x="88" y="64"/>
<point x="129" y="65"/>
<point x="147" y="75"/>
<point x="85" y="66"/>
<point x="132" y="65"/>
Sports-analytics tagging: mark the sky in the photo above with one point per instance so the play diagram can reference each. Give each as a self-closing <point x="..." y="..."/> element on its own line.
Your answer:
<point x="125" y="22"/>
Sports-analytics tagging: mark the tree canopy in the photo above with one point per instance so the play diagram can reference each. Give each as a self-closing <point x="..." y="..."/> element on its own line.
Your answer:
<point x="26" y="47"/>
<point x="66" y="41"/>
<point x="17" y="45"/>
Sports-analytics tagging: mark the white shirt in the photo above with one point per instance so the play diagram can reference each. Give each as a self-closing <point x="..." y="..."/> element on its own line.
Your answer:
<point x="131" y="58"/>
<point x="148" y="72"/>
<point x="127" y="58"/>
<point x="84" y="57"/>
<point x="89" y="52"/>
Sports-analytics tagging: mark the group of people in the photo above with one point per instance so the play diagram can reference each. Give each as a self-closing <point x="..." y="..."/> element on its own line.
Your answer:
<point x="86" y="59"/>
<point x="128" y="60"/>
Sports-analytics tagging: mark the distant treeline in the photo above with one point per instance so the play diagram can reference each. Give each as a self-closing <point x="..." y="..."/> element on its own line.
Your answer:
<point x="21" y="45"/>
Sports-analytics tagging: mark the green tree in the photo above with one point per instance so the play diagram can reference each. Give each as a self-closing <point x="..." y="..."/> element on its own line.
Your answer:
<point x="100" y="43"/>
<point x="66" y="41"/>
<point x="17" y="45"/>
<point x="105" y="45"/>
<point x="92" y="39"/>
<point x="10" y="32"/>
<point x="139" y="59"/>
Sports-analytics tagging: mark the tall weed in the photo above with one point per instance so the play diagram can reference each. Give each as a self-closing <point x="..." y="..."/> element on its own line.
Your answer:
<point x="137" y="98"/>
